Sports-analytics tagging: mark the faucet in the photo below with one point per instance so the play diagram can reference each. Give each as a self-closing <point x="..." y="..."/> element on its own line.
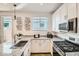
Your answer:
<point x="17" y="37"/>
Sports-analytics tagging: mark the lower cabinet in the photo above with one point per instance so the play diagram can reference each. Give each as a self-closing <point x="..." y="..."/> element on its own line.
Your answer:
<point x="35" y="46"/>
<point x="27" y="51"/>
<point x="41" y="46"/>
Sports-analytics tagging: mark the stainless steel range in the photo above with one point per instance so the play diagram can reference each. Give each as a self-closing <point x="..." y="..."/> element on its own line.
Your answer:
<point x="67" y="47"/>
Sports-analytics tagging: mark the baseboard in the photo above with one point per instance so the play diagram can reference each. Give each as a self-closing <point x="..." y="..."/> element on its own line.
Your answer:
<point x="39" y="53"/>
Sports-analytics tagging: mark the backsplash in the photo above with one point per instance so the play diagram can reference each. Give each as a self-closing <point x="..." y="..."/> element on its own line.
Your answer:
<point x="67" y="35"/>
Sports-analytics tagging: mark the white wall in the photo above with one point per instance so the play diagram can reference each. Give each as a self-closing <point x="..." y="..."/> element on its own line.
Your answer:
<point x="30" y="14"/>
<point x="1" y="31"/>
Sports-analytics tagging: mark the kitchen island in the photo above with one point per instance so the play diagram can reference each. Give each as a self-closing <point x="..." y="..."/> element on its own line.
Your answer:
<point x="34" y="45"/>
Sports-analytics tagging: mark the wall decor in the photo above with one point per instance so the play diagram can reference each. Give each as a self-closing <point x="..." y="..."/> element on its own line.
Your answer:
<point x="27" y="23"/>
<point x="19" y="23"/>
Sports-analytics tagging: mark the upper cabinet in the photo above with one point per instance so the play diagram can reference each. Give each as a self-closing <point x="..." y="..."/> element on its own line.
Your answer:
<point x="53" y="22"/>
<point x="71" y="10"/>
<point x="63" y="13"/>
<point x="56" y="21"/>
<point x="58" y="17"/>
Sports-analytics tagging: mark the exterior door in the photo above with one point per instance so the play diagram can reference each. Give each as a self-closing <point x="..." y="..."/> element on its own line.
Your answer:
<point x="7" y="27"/>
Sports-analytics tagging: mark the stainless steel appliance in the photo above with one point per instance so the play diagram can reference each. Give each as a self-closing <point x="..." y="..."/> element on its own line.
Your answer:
<point x="63" y="27"/>
<point x="68" y="47"/>
<point x="69" y="26"/>
<point x="72" y="25"/>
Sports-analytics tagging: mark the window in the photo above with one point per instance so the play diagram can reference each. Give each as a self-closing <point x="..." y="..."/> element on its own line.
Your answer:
<point x="40" y="23"/>
<point x="7" y="22"/>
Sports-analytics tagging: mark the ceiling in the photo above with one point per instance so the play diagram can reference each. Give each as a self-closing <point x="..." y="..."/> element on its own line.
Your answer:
<point x="6" y="6"/>
<point x="30" y="7"/>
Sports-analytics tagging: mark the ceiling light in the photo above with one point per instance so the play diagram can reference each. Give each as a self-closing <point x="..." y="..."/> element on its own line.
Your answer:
<point x="14" y="11"/>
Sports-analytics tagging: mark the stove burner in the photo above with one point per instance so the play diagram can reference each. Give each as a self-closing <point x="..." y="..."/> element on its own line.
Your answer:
<point x="67" y="46"/>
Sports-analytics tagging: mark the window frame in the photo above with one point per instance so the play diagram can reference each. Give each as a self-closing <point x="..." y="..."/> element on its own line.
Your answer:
<point x="40" y="19"/>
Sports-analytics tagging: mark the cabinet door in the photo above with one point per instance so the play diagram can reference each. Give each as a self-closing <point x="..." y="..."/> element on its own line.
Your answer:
<point x="40" y="46"/>
<point x="45" y="46"/>
<point x="56" y="21"/>
<point x="71" y="10"/>
<point x="27" y="51"/>
<point x="53" y="22"/>
<point x="35" y="46"/>
<point x="63" y="13"/>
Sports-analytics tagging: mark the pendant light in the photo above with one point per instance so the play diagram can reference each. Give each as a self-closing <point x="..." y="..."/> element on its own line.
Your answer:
<point x="14" y="16"/>
<point x="76" y="18"/>
<point x="14" y="11"/>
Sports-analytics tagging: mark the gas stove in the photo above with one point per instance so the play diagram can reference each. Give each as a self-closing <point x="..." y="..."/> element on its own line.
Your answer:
<point x="66" y="48"/>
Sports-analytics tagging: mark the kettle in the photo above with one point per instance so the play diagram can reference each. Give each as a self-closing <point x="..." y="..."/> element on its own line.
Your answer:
<point x="49" y="35"/>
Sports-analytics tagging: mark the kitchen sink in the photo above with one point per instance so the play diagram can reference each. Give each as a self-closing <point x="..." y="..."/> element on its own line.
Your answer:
<point x="19" y="44"/>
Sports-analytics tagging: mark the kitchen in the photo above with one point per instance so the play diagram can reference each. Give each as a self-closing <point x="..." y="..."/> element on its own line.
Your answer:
<point x="39" y="29"/>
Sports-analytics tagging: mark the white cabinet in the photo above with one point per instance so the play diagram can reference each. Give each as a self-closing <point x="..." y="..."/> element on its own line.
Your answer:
<point x="35" y="45"/>
<point x="56" y="21"/>
<point x="45" y="46"/>
<point x="71" y="10"/>
<point x="53" y="22"/>
<point x="41" y="46"/>
<point x="63" y="13"/>
<point x="27" y="50"/>
<point x="60" y="16"/>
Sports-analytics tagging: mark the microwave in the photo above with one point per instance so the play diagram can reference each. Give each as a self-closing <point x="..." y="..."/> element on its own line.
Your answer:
<point x="72" y="25"/>
<point x="63" y="27"/>
<point x="69" y="26"/>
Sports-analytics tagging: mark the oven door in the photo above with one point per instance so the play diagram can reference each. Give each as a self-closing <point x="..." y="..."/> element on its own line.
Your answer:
<point x="58" y="50"/>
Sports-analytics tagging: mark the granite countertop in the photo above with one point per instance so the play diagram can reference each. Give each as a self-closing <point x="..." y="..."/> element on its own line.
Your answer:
<point x="67" y="35"/>
<point x="5" y="49"/>
<point x="57" y="39"/>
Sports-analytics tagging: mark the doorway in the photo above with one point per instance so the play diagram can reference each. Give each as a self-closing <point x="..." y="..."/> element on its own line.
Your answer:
<point x="7" y="28"/>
